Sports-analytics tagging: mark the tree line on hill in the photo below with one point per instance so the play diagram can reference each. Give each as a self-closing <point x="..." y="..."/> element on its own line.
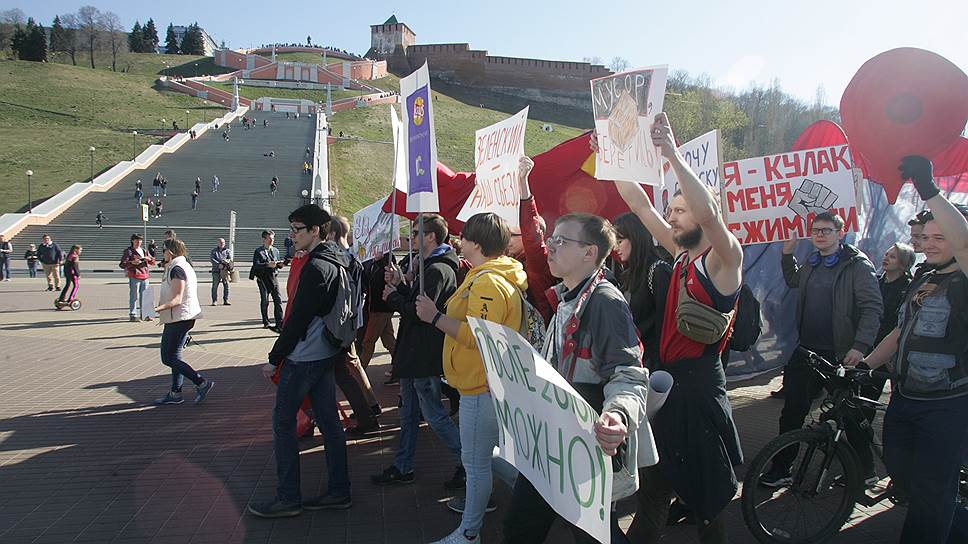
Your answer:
<point x="90" y="31"/>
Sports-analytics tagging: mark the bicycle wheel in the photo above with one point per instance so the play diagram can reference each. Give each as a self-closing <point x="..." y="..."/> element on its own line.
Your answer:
<point x="817" y="503"/>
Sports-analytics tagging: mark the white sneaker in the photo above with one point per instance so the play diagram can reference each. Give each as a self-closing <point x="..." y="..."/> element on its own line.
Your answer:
<point x="458" y="537"/>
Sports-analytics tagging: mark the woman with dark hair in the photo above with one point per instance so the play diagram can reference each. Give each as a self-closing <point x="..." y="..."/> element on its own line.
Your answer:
<point x="72" y="271"/>
<point x="178" y="311"/>
<point x="644" y="279"/>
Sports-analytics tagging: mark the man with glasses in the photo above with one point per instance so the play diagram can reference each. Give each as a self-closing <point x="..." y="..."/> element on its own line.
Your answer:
<point x="838" y="315"/>
<point x="308" y="369"/>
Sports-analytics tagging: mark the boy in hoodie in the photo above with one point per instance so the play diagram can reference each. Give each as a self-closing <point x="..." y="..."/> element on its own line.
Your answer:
<point x="309" y="369"/>
<point x="417" y="358"/>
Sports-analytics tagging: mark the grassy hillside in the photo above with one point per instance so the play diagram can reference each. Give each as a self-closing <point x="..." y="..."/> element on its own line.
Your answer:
<point x="360" y="168"/>
<point x="147" y="63"/>
<point x="50" y="114"/>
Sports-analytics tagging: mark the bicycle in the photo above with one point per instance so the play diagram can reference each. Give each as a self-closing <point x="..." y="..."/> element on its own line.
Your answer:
<point x="827" y="480"/>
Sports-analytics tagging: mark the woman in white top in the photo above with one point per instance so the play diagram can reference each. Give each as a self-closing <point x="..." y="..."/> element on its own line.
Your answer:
<point x="178" y="311"/>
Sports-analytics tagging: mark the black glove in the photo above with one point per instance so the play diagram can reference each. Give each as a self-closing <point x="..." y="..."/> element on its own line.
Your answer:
<point x="918" y="170"/>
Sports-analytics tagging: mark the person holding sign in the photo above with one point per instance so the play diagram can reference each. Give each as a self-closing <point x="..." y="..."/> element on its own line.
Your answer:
<point x="417" y="358"/>
<point x="592" y="343"/>
<point x="492" y="290"/>
<point x="697" y="440"/>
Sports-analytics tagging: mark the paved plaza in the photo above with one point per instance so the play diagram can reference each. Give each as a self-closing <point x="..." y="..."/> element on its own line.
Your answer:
<point x="86" y="457"/>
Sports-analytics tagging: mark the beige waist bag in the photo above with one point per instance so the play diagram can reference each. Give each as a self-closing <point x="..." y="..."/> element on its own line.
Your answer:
<point x="698" y="321"/>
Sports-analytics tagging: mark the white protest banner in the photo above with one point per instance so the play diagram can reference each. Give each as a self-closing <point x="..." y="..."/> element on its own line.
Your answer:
<point x="375" y="232"/>
<point x="774" y="198"/>
<point x="399" y="152"/>
<point x="546" y="429"/>
<point x="497" y="151"/>
<point x="419" y="141"/>
<point x="148" y="303"/>
<point x="624" y="106"/>
<point x="702" y="155"/>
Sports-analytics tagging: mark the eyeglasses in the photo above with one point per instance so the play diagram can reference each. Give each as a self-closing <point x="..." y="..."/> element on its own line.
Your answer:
<point x="821" y="231"/>
<point x="296" y="228"/>
<point x="558" y="241"/>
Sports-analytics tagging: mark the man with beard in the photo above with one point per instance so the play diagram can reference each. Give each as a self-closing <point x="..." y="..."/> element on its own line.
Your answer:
<point x="694" y="431"/>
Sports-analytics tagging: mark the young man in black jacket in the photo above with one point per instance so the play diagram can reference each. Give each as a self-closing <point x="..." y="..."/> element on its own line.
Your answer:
<point x="308" y="360"/>
<point x="419" y="350"/>
<point x="265" y="263"/>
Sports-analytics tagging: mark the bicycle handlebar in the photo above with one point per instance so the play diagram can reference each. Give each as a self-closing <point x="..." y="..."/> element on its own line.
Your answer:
<point x="826" y="367"/>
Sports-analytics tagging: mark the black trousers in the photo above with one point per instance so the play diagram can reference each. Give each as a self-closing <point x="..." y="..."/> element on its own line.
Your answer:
<point x="653" y="499"/>
<point x="269" y="289"/>
<point x="530" y="518"/>
<point x="802" y="385"/>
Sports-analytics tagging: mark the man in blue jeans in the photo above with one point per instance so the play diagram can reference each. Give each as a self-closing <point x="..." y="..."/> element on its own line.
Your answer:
<point x="925" y="434"/>
<point x="135" y="262"/>
<point x="221" y="259"/>
<point x="418" y="353"/>
<point x="308" y="361"/>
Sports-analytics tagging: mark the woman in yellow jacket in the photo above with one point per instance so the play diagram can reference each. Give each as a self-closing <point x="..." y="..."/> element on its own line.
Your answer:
<point x="492" y="290"/>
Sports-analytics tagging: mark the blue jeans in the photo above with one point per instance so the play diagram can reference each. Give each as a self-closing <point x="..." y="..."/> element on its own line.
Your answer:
<point x="316" y="379"/>
<point x="172" y="341"/>
<point x="4" y="267"/>
<point x="478" y="437"/>
<point x="216" y="280"/>
<point x="426" y="392"/>
<point x="32" y="269"/>
<point x="136" y="295"/>
<point x="925" y="443"/>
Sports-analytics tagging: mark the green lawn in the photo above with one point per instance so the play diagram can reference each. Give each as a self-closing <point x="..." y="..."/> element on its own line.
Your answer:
<point x="360" y="170"/>
<point x="312" y="58"/>
<point x="148" y="63"/>
<point x="50" y="114"/>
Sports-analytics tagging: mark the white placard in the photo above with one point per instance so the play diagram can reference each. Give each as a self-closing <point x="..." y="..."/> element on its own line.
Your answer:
<point x="375" y="232"/>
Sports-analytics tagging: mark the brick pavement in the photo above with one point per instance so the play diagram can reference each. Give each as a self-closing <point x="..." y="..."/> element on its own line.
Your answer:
<point x="85" y="457"/>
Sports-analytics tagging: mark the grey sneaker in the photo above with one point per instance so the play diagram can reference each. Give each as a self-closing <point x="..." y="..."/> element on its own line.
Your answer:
<point x="202" y="390"/>
<point x="457" y="505"/>
<point x="275" y="509"/>
<point x="171" y="398"/>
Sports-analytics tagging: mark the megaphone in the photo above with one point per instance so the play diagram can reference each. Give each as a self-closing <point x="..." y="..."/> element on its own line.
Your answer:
<point x="905" y="101"/>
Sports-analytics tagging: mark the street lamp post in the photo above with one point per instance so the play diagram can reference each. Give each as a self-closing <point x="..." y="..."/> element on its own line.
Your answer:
<point x="186" y="119"/>
<point x="163" y="124"/>
<point x="196" y="69"/>
<point x="134" y="137"/>
<point x="30" y="202"/>
<point x="91" y="149"/>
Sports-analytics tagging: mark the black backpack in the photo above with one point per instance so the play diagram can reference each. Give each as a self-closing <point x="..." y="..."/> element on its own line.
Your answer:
<point x="748" y="323"/>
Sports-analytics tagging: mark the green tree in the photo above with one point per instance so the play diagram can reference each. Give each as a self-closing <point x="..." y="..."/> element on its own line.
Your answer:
<point x="150" y="37"/>
<point x="192" y="43"/>
<point x="171" y="41"/>
<point x="136" y="38"/>
<point x="30" y="42"/>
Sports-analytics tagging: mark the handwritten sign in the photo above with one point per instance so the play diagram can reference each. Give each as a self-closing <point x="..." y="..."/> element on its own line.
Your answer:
<point x="546" y="429"/>
<point x="375" y="232"/>
<point x="702" y="156"/>
<point x="774" y="198"/>
<point x="624" y="106"/>
<point x="497" y="151"/>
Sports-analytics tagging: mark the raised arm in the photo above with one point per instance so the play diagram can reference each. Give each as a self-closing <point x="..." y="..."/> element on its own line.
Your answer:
<point x="950" y="221"/>
<point x="725" y="261"/>
<point x="638" y="201"/>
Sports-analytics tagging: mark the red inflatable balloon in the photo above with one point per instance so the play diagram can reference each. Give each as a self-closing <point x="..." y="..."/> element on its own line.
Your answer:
<point x="904" y="101"/>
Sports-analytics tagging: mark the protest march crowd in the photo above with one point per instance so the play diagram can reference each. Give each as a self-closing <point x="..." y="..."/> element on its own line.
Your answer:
<point x="607" y="304"/>
<point x="587" y="313"/>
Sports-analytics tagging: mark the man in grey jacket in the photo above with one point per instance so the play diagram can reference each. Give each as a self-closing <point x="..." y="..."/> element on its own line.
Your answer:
<point x="838" y="315"/>
<point x="221" y="259"/>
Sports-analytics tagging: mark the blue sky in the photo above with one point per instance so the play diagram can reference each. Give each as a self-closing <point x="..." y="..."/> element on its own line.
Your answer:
<point x="803" y="44"/>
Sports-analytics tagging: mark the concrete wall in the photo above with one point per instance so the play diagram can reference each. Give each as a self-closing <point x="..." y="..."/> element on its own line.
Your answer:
<point x="384" y="39"/>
